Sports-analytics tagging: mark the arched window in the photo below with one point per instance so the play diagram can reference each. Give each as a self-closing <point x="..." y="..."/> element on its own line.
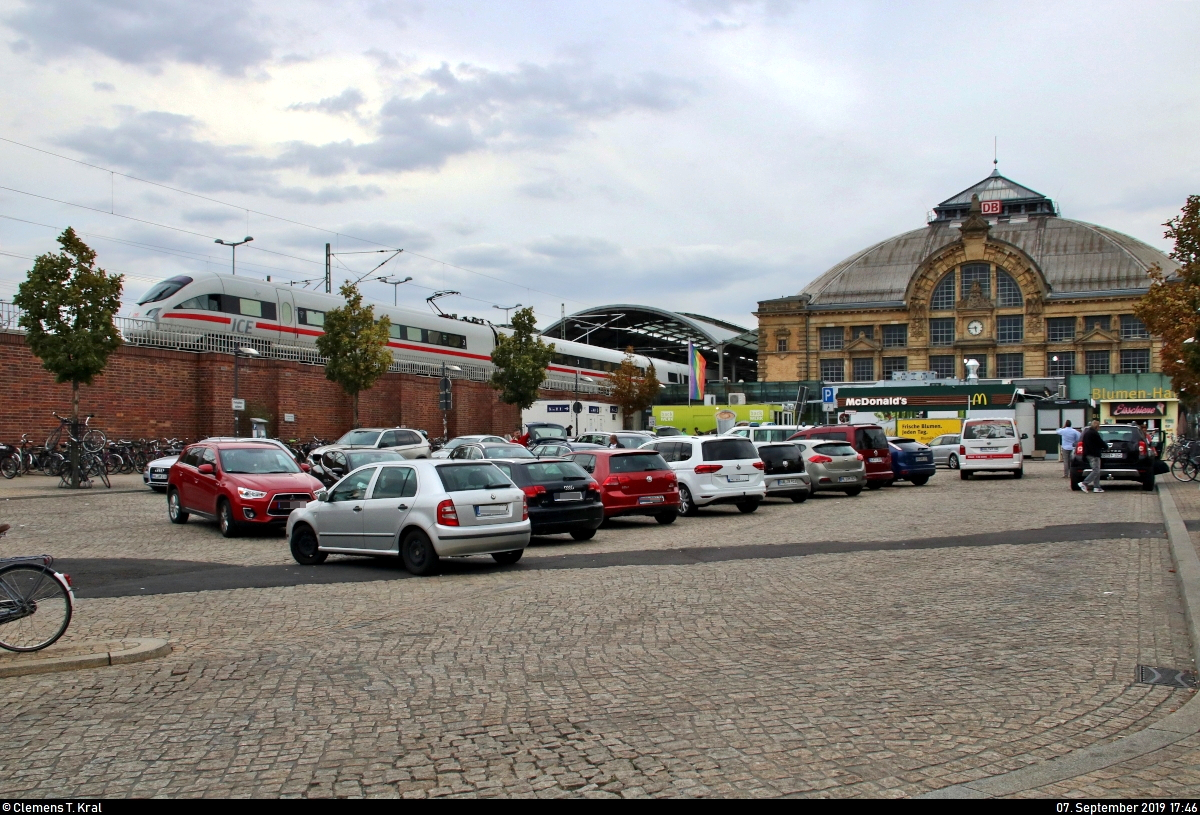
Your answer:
<point x="1009" y="291"/>
<point x="973" y="273"/>
<point x="943" y="294"/>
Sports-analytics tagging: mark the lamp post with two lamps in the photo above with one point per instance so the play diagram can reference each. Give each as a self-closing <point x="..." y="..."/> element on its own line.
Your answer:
<point x="395" y="284"/>
<point x="238" y="404"/>
<point x="233" y="245"/>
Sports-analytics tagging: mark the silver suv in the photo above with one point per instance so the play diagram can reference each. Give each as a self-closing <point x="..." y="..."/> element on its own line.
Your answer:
<point x="713" y="470"/>
<point x="408" y="443"/>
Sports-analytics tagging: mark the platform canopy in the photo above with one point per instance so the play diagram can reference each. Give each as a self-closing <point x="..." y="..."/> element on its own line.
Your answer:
<point x="664" y="334"/>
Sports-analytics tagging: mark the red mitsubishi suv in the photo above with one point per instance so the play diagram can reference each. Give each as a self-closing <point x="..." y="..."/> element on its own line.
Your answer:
<point x="633" y="482"/>
<point x="237" y="484"/>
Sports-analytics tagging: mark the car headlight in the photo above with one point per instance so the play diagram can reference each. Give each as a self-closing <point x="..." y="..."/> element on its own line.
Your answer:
<point x="245" y="493"/>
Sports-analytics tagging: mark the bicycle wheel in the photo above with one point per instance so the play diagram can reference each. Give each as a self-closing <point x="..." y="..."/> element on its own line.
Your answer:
<point x="54" y="464"/>
<point x="103" y="476"/>
<point x="94" y="440"/>
<point x="9" y="466"/>
<point x="1184" y="469"/>
<point x="113" y="463"/>
<point x="35" y="609"/>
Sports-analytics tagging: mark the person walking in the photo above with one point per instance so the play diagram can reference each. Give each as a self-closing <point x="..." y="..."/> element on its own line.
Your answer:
<point x="1070" y="438"/>
<point x="1093" y="447"/>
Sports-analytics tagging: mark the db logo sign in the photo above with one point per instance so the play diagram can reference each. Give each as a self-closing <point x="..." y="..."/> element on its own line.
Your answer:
<point x="990" y="207"/>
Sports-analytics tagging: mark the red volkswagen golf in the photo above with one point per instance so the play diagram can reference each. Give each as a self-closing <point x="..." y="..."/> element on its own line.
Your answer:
<point x="633" y="482"/>
<point x="237" y="484"/>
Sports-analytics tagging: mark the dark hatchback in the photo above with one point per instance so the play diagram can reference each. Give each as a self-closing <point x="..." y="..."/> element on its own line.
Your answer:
<point x="784" y="472"/>
<point x="562" y="497"/>
<point x="912" y="461"/>
<point x="1128" y="456"/>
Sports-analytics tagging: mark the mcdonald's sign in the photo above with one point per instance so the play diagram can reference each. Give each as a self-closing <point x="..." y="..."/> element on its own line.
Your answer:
<point x="978" y="399"/>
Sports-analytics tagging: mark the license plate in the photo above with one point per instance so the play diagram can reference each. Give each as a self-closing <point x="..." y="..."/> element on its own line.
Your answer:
<point x="290" y="505"/>
<point x="568" y="496"/>
<point x="490" y="510"/>
<point x="847" y="478"/>
<point x="924" y="458"/>
<point x="158" y="476"/>
<point x="875" y="460"/>
<point x="738" y="477"/>
<point x="1112" y="455"/>
<point x="787" y="482"/>
<point x="650" y="499"/>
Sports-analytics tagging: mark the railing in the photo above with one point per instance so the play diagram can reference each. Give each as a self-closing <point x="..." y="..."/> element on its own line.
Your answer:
<point x="148" y="334"/>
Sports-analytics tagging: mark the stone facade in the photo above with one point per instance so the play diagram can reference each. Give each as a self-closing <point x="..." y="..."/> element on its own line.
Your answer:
<point x="1000" y="311"/>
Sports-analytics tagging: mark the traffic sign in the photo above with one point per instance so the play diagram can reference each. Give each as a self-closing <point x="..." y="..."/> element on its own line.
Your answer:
<point x="239" y="404"/>
<point x="444" y="385"/>
<point x="445" y="401"/>
<point x="577" y="407"/>
<point x="827" y="396"/>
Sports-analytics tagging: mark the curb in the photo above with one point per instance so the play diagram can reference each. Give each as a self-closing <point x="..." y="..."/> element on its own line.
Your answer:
<point x="135" y="650"/>
<point x="30" y="496"/>
<point x="1179" y="725"/>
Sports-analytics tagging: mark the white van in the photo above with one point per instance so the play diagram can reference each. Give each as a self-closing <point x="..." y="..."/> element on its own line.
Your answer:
<point x="989" y="445"/>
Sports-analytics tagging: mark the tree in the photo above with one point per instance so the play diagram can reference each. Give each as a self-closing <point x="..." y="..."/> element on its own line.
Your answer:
<point x="355" y="345"/>
<point x="521" y="359"/>
<point x="633" y="390"/>
<point x="1169" y="308"/>
<point x="68" y="308"/>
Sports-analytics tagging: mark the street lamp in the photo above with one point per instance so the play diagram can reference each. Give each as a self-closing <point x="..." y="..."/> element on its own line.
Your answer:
<point x="395" y="284"/>
<point x="234" y="245"/>
<point x="238" y="353"/>
<point x="444" y="399"/>
<point x="507" y="309"/>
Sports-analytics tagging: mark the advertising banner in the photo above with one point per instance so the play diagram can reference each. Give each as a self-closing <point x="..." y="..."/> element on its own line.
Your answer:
<point x="1137" y="410"/>
<point x="925" y="430"/>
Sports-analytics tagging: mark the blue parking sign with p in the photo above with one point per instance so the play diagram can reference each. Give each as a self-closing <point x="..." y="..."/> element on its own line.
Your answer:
<point x="827" y="395"/>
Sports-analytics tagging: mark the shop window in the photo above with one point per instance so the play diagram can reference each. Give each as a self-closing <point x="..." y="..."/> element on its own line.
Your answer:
<point x="1135" y="361"/>
<point x="1060" y="364"/>
<point x="943" y="294"/>
<point x="833" y="370"/>
<point x="942" y="366"/>
<point x="941" y="331"/>
<point x="1096" y="362"/>
<point x="973" y="273"/>
<point x="1010" y="366"/>
<point x="895" y="336"/>
<point x="833" y="339"/>
<point x="1010" y="329"/>
<point x="1060" y="329"/>
<point x="893" y="364"/>
<point x="1133" y="329"/>
<point x="864" y="369"/>
<point x="1008" y="290"/>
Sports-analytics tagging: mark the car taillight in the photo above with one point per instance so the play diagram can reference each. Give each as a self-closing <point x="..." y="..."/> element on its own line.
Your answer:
<point x="524" y="510"/>
<point x="612" y="483"/>
<point x="671" y="478"/>
<point x="758" y="465"/>
<point x="707" y="469"/>
<point x="962" y="449"/>
<point x="534" y="491"/>
<point x="860" y="456"/>
<point x="820" y="459"/>
<point x="1142" y="449"/>
<point x="1016" y="449"/>
<point x="447" y="515"/>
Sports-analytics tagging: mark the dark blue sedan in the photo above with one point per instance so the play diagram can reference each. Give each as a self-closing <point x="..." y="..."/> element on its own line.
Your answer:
<point x="911" y="461"/>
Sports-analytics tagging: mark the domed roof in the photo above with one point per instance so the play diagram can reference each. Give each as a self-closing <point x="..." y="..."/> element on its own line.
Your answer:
<point x="1076" y="258"/>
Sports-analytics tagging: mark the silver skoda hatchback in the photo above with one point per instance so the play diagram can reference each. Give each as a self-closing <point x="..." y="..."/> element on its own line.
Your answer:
<point x="421" y="511"/>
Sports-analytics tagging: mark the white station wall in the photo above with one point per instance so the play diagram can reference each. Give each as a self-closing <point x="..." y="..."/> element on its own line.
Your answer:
<point x="597" y="417"/>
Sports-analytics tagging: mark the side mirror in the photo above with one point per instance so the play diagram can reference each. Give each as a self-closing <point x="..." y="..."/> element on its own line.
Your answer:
<point x="338" y="471"/>
<point x="206" y="469"/>
<point x="322" y="495"/>
<point x="1024" y="435"/>
<point x="304" y="466"/>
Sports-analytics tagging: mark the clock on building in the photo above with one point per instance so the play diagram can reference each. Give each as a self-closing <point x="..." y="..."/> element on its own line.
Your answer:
<point x="975" y="328"/>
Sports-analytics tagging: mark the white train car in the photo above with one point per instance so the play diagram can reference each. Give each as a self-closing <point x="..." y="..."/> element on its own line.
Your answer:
<point x="275" y="313"/>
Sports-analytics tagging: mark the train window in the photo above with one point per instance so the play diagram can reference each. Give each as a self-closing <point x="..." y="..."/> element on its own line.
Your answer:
<point x="249" y="308"/>
<point x="165" y="289"/>
<point x="414" y="334"/>
<point x="205" y="302"/>
<point x="308" y="316"/>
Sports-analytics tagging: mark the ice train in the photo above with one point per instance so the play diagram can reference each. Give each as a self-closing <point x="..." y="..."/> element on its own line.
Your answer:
<point x="280" y="313"/>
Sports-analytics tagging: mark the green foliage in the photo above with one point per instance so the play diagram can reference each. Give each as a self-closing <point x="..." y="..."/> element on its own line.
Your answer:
<point x="355" y="345"/>
<point x="69" y="307"/>
<point x="521" y="359"/>
<point x="1184" y="229"/>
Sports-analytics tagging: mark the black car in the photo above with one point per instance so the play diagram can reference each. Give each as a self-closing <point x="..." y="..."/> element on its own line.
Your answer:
<point x="562" y="497"/>
<point x="333" y="464"/>
<point x="1128" y="456"/>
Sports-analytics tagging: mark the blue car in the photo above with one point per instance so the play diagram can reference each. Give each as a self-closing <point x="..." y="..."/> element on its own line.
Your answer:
<point x="911" y="461"/>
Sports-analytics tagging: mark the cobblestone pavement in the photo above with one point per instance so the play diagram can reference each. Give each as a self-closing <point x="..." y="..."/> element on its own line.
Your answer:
<point x="876" y="673"/>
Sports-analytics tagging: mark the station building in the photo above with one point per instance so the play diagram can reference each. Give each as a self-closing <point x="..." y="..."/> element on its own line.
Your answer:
<point x="996" y="275"/>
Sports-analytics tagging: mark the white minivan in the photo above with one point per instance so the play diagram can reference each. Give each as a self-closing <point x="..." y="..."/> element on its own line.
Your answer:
<point x="989" y="445"/>
<point x="713" y="470"/>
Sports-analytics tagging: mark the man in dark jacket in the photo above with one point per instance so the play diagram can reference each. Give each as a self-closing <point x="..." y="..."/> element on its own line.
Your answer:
<point x="1093" y="446"/>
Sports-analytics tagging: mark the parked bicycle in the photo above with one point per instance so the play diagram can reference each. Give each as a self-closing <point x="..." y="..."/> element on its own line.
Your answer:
<point x="93" y="439"/>
<point x="1186" y="460"/>
<point x="36" y="602"/>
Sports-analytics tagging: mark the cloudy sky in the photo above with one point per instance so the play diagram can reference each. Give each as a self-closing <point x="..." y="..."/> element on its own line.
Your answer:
<point x="695" y="154"/>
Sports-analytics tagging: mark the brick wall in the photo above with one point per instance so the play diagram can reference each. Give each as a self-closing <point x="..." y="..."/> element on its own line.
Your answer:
<point x="152" y="393"/>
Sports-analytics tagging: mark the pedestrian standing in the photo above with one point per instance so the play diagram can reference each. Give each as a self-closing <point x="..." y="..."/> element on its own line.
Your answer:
<point x="1093" y="448"/>
<point x="1070" y="438"/>
<point x="613" y="442"/>
<point x="569" y="428"/>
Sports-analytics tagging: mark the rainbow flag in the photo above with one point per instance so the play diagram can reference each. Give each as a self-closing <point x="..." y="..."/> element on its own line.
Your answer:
<point x="696" y="366"/>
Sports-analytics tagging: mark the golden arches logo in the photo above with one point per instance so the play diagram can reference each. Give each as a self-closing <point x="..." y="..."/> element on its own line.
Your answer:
<point x="979" y="399"/>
